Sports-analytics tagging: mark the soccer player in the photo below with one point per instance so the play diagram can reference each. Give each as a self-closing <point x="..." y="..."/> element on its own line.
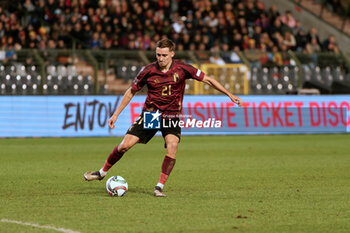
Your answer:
<point x="165" y="79"/>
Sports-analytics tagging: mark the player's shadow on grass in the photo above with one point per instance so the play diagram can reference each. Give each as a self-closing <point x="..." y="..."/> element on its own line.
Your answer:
<point x="102" y="191"/>
<point x="142" y="191"/>
<point x="93" y="191"/>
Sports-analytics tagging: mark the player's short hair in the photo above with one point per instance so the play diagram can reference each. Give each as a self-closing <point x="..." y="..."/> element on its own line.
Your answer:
<point x="166" y="43"/>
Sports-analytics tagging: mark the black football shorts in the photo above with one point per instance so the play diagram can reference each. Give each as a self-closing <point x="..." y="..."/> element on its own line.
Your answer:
<point x="145" y="135"/>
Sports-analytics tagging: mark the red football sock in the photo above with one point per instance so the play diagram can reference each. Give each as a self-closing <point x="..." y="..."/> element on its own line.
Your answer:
<point x="163" y="178"/>
<point x="112" y="159"/>
<point x="167" y="167"/>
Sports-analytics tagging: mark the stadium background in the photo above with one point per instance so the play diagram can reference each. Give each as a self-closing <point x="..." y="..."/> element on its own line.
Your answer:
<point x="65" y="64"/>
<point x="53" y="48"/>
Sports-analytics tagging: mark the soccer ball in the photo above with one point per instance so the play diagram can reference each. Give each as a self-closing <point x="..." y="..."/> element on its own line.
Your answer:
<point x="116" y="186"/>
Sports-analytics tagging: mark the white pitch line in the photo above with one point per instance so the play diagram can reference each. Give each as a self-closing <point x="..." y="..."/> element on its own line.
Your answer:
<point x="39" y="226"/>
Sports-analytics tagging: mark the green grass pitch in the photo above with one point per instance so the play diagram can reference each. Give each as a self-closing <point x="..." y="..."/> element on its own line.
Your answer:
<point x="268" y="183"/>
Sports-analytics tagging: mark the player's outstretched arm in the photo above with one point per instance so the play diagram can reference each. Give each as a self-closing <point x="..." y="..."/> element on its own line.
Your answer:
<point x="212" y="82"/>
<point x="129" y="94"/>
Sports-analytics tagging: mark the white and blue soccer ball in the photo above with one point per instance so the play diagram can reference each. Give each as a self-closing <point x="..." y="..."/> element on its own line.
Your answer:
<point x="116" y="186"/>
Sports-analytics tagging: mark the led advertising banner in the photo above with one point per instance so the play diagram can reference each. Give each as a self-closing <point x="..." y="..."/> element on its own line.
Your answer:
<point x="80" y="116"/>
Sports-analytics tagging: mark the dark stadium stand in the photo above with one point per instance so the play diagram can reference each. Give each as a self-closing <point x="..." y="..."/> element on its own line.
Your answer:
<point x="274" y="80"/>
<point x="334" y="12"/>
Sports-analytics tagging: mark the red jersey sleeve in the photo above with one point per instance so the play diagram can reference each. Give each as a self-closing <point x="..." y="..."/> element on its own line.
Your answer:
<point x="140" y="79"/>
<point x="193" y="72"/>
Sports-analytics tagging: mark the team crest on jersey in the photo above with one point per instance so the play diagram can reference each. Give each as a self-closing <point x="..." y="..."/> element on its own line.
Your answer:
<point x="176" y="77"/>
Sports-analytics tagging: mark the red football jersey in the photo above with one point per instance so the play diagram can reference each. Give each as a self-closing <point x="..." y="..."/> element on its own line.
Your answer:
<point x="165" y="90"/>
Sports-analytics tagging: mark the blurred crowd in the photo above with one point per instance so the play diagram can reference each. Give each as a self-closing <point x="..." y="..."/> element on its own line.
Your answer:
<point x="211" y="25"/>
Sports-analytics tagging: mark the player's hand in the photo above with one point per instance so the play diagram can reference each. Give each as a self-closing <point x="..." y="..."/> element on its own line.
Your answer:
<point x="111" y="121"/>
<point x="236" y="100"/>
